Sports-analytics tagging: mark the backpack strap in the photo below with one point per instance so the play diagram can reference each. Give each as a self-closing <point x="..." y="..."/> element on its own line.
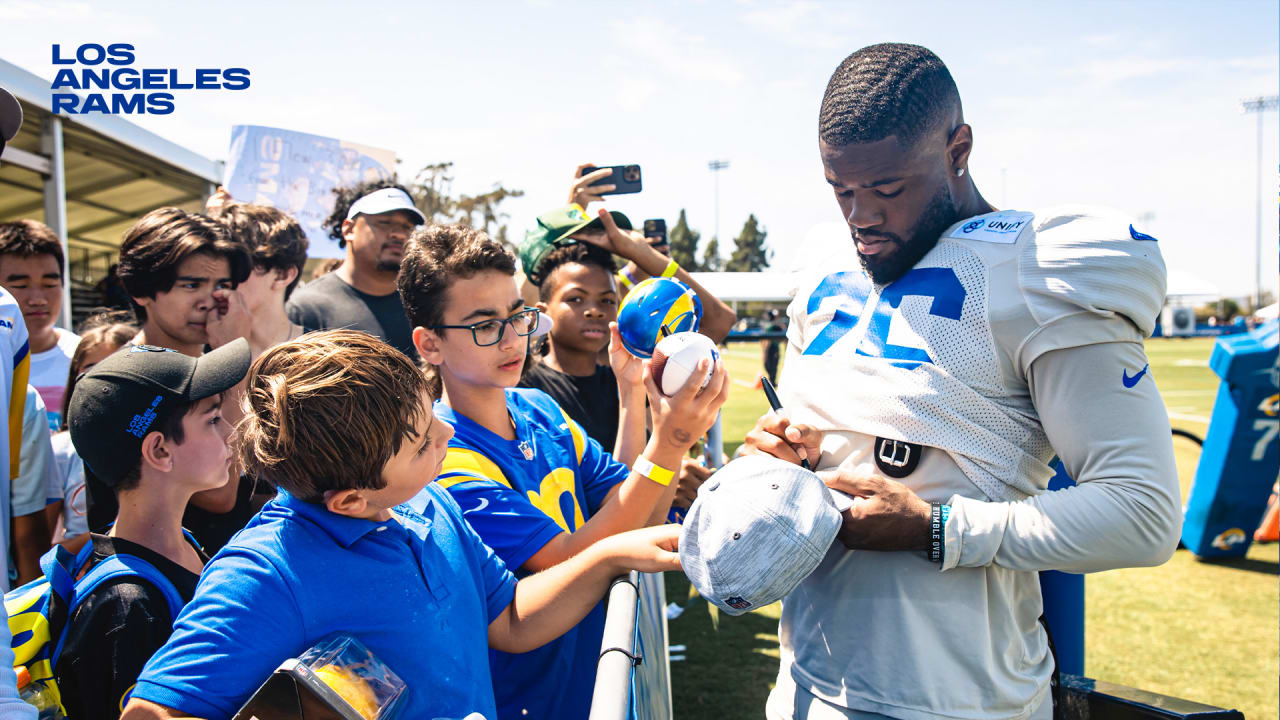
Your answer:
<point x="116" y="566"/>
<point x="60" y="567"/>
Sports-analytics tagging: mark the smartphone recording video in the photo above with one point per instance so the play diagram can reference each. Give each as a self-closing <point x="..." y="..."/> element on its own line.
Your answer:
<point x="625" y="179"/>
<point x="655" y="231"/>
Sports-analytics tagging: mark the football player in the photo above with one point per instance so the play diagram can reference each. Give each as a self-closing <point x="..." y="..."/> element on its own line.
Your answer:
<point x="934" y="384"/>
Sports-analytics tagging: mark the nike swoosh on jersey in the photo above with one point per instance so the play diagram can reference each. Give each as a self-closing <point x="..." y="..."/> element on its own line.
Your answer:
<point x="1139" y="235"/>
<point x="484" y="503"/>
<point x="1131" y="381"/>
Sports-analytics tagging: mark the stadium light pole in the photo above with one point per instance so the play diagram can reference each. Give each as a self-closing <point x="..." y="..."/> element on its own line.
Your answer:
<point x="1258" y="106"/>
<point x="715" y="166"/>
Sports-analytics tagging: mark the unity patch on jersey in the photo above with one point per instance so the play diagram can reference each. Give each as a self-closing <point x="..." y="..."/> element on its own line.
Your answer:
<point x="998" y="227"/>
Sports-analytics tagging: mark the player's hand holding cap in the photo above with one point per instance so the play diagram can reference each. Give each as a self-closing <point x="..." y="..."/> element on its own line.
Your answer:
<point x="759" y="526"/>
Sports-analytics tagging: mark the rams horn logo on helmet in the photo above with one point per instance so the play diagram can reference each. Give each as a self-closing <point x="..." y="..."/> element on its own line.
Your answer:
<point x="654" y="309"/>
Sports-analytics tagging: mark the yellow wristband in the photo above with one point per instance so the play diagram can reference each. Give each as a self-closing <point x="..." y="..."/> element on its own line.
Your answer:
<point x="672" y="268"/>
<point x="645" y="467"/>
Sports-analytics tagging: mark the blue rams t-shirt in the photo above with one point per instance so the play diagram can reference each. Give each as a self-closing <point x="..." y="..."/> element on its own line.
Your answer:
<point x="518" y="495"/>
<point x="419" y="591"/>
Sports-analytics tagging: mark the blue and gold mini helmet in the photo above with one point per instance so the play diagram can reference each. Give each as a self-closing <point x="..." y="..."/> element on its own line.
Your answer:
<point x="654" y="309"/>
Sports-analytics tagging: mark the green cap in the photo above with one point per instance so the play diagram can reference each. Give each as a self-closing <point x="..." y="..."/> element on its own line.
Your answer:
<point x="553" y="231"/>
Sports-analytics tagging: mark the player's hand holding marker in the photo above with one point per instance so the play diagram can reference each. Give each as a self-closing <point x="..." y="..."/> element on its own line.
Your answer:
<point x="775" y="434"/>
<point x="884" y="514"/>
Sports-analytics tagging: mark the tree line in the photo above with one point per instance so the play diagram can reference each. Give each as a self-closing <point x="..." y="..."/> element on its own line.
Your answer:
<point x="749" y="251"/>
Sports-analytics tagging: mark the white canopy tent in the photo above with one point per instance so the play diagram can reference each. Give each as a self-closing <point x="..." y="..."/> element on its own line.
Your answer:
<point x="825" y="247"/>
<point x="1186" y="288"/>
<point x="734" y="287"/>
<point x="89" y="177"/>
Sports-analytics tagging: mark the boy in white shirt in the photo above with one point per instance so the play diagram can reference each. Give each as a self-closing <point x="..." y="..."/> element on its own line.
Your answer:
<point x="31" y="264"/>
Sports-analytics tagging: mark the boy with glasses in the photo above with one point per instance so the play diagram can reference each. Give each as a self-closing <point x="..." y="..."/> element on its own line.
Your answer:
<point x="535" y="487"/>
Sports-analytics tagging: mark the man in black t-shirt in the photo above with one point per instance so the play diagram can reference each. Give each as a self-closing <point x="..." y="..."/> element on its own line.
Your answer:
<point x="591" y="400"/>
<point x="371" y="221"/>
<point x="578" y="291"/>
<point x="147" y="422"/>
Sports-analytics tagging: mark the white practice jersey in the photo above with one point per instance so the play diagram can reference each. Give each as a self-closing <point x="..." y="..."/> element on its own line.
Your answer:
<point x="942" y="358"/>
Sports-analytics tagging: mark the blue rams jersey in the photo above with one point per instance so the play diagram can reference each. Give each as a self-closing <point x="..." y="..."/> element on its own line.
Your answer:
<point x="518" y="495"/>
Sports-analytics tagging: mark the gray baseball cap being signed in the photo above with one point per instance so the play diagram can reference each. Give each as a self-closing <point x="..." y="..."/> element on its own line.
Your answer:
<point x="759" y="527"/>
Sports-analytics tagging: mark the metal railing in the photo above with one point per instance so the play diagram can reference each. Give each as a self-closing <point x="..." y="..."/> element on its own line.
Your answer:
<point x="633" y="675"/>
<point x="611" y="699"/>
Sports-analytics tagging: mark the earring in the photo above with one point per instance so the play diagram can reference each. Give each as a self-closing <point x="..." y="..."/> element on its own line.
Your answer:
<point x="959" y="172"/>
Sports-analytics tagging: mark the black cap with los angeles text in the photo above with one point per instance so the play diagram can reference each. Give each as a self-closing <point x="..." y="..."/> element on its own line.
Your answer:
<point x="118" y="402"/>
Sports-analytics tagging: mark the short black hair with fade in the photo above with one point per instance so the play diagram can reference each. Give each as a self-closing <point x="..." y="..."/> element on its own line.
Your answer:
<point x="345" y="197"/>
<point x="885" y="90"/>
<point x="580" y="253"/>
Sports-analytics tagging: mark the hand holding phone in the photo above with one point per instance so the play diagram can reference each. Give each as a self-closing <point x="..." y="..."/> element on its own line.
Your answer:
<point x="623" y="179"/>
<point x="585" y="188"/>
<point x="655" y="232"/>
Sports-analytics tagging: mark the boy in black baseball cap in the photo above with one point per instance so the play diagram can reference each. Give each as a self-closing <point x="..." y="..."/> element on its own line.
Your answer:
<point x="147" y="422"/>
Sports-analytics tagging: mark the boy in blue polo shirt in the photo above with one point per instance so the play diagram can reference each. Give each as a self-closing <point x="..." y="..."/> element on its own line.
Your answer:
<point x="536" y="488"/>
<point x="342" y="424"/>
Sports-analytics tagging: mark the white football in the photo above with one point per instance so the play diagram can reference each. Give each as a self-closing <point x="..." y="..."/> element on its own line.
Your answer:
<point x="676" y="357"/>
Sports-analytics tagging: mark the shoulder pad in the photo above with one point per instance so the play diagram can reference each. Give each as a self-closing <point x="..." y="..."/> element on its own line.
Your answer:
<point x="1087" y="259"/>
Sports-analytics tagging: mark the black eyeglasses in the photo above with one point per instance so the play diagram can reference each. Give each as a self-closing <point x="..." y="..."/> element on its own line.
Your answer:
<point x="489" y="332"/>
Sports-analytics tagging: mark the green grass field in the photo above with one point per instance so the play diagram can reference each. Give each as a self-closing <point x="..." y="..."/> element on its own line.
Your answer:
<point x="1202" y="631"/>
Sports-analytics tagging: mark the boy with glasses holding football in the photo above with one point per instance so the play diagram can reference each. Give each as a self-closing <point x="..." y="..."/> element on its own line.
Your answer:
<point x="535" y="487"/>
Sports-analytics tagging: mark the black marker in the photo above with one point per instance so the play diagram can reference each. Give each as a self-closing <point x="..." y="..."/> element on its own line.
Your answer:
<point x="776" y="404"/>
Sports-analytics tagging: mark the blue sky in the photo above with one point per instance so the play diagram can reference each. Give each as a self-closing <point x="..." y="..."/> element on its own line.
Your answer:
<point x="1133" y="105"/>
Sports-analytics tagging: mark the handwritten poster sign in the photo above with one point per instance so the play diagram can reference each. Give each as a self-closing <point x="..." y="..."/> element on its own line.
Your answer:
<point x="297" y="172"/>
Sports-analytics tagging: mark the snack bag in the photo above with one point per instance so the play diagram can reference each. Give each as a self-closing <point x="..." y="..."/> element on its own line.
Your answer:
<point x="336" y="679"/>
<point x="350" y="670"/>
